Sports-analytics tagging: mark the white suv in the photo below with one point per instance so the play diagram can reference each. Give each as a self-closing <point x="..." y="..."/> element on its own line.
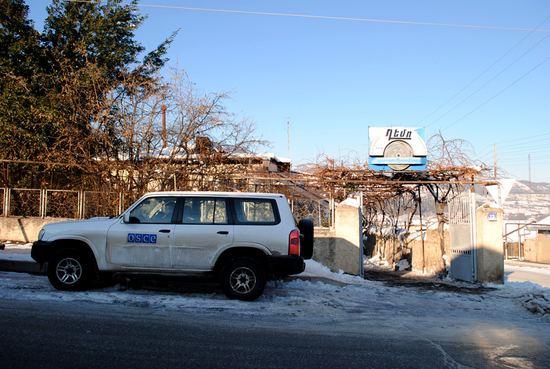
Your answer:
<point x="243" y="239"/>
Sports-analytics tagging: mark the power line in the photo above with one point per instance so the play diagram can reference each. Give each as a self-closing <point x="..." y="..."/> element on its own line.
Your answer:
<point x="525" y="146"/>
<point x="523" y="158"/>
<point x="525" y="138"/>
<point x="491" y="80"/>
<point x="320" y="17"/>
<point x="489" y="149"/>
<point x="510" y="85"/>
<point x="485" y="71"/>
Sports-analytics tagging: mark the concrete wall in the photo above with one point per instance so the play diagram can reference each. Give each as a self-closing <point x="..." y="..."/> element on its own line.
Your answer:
<point x="543" y="247"/>
<point x="23" y="229"/>
<point x="537" y="249"/>
<point x="429" y="259"/>
<point x="489" y="245"/>
<point x="342" y="247"/>
<point x="530" y="246"/>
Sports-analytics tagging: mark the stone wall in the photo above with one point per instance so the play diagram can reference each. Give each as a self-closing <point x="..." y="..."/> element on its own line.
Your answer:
<point x="341" y="248"/>
<point x="23" y="229"/>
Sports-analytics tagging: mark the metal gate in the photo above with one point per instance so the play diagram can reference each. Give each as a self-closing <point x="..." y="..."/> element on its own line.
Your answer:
<point x="462" y="232"/>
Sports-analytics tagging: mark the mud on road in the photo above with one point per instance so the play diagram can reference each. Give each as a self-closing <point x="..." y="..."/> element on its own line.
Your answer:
<point x="419" y="282"/>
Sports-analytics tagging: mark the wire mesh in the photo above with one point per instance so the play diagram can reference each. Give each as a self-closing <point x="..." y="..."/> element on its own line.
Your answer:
<point x="100" y="204"/>
<point x="24" y="202"/>
<point x="62" y="204"/>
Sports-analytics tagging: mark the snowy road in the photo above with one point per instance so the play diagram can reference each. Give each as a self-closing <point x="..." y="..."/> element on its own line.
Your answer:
<point x="494" y="329"/>
<point x="527" y="274"/>
<point x="501" y="326"/>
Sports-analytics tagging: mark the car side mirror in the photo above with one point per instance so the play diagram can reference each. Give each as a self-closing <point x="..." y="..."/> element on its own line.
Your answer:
<point x="130" y="219"/>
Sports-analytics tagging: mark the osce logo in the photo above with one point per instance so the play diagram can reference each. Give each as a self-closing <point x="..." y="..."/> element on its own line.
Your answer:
<point x="141" y="238"/>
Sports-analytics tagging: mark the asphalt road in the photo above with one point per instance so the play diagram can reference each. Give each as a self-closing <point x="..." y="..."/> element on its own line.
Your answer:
<point x="35" y="334"/>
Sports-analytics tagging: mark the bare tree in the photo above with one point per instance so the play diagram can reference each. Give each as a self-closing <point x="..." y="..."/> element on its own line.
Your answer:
<point x="172" y="136"/>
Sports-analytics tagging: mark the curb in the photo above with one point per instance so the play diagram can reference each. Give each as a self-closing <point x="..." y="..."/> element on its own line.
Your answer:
<point x="19" y="266"/>
<point x="526" y="264"/>
<point x="315" y="280"/>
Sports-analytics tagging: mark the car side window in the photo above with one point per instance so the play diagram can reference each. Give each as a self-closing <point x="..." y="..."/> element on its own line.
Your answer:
<point x="256" y="211"/>
<point x="154" y="210"/>
<point x="197" y="210"/>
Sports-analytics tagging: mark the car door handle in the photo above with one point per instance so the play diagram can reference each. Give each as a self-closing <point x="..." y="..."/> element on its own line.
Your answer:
<point x="164" y="231"/>
<point x="223" y="232"/>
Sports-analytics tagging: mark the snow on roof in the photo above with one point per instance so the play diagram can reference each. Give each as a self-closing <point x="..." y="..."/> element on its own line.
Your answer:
<point x="350" y="202"/>
<point x="544" y="221"/>
<point x="268" y="156"/>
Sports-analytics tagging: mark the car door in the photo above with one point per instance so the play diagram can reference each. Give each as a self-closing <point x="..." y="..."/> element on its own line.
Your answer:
<point x="146" y="240"/>
<point x="204" y="230"/>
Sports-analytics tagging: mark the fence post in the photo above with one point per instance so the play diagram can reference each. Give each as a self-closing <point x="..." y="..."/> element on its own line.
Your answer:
<point x="120" y="202"/>
<point x="8" y="202"/>
<point x="80" y="204"/>
<point x="7" y="193"/>
<point x="43" y="203"/>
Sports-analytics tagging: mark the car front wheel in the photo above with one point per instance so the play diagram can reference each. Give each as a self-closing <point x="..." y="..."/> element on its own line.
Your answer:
<point x="69" y="270"/>
<point x="243" y="278"/>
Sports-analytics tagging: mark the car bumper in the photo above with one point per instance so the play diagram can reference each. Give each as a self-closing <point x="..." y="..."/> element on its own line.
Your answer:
<point x="39" y="251"/>
<point x="284" y="265"/>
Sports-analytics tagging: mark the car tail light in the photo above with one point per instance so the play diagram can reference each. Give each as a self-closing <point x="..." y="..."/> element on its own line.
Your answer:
<point x="294" y="243"/>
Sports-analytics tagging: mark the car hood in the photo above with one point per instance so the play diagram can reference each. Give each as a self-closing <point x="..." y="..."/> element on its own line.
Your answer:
<point x="92" y="225"/>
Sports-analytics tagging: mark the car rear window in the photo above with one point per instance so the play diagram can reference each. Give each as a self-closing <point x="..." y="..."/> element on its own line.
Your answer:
<point x="256" y="211"/>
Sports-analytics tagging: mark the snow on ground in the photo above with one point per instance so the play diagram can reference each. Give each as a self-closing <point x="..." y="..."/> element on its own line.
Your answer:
<point x="325" y="295"/>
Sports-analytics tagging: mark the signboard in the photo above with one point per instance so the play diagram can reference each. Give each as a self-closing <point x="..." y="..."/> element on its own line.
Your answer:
<point x="397" y="149"/>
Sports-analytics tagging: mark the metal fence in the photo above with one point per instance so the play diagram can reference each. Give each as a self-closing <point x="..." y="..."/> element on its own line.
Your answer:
<point x="317" y="210"/>
<point x="60" y="203"/>
<point x="88" y="204"/>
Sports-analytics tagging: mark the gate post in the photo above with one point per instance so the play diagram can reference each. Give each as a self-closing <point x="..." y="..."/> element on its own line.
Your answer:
<point x="342" y="247"/>
<point x="490" y="250"/>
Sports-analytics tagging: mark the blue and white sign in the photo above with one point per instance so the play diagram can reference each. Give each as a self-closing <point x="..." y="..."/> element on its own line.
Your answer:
<point x="141" y="238"/>
<point x="492" y="217"/>
<point x="397" y="149"/>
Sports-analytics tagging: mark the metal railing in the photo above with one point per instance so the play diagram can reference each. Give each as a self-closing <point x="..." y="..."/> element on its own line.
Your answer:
<point x="60" y="203"/>
<point x="74" y="204"/>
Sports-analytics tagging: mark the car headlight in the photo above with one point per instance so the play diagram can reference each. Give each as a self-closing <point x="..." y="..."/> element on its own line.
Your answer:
<point x="41" y="234"/>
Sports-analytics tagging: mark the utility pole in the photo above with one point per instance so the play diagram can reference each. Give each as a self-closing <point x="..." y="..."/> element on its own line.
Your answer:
<point x="495" y="161"/>
<point x="288" y="136"/>
<point x="529" y="161"/>
<point x="499" y="201"/>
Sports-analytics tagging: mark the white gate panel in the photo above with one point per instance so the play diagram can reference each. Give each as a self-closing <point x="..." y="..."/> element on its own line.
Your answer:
<point x="462" y="237"/>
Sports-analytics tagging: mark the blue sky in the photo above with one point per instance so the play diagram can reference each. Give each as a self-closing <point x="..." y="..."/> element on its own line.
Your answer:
<point x="334" y="77"/>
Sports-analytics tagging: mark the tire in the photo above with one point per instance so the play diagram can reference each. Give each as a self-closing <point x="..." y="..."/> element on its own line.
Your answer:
<point x="70" y="270"/>
<point x="243" y="279"/>
<point x="306" y="242"/>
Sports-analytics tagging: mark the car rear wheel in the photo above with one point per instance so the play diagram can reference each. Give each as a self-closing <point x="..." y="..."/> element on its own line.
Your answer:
<point x="243" y="278"/>
<point x="69" y="270"/>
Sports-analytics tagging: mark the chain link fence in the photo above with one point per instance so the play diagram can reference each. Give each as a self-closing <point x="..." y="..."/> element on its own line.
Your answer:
<point x="61" y="204"/>
<point x="88" y="204"/>
<point x="319" y="211"/>
<point x="23" y="202"/>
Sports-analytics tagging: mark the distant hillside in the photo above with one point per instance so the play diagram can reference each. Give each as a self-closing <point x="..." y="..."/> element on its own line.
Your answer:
<point x="521" y="187"/>
<point x="304" y="168"/>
